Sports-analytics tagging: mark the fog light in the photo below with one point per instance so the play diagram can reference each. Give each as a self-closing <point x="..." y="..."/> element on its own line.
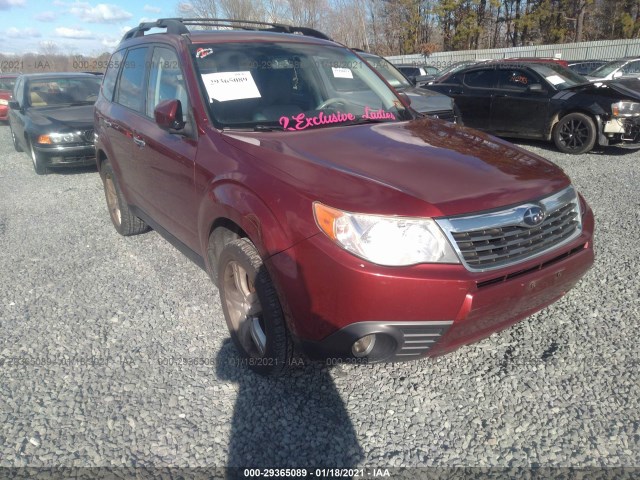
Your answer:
<point x="363" y="346"/>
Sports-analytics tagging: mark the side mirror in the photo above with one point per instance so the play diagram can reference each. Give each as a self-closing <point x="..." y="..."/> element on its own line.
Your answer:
<point x="168" y="115"/>
<point x="412" y="79"/>
<point x="405" y="98"/>
<point x="14" y="105"/>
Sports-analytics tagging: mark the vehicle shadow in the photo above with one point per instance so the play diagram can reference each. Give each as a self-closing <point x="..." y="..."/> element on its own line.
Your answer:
<point x="297" y="420"/>
<point x="73" y="170"/>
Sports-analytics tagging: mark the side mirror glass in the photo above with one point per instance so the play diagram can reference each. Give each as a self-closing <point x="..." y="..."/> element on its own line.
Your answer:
<point x="168" y="115"/>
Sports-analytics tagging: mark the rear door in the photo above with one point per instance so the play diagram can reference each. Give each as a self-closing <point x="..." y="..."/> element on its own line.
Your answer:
<point x="475" y="101"/>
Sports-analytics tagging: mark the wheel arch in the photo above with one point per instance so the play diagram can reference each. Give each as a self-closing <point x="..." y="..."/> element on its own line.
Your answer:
<point x="573" y="109"/>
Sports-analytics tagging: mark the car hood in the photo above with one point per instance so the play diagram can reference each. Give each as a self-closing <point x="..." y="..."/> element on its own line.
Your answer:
<point x="62" y="117"/>
<point x="426" y="101"/>
<point x="628" y="87"/>
<point x="455" y="170"/>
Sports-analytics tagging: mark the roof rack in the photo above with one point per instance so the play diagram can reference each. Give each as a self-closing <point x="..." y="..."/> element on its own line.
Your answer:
<point x="178" y="26"/>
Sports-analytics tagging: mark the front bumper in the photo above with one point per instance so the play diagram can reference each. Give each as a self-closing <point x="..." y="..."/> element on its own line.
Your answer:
<point x="623" y="132"/>
<point x="333" y="298"/>
<point x="73" y="155"/>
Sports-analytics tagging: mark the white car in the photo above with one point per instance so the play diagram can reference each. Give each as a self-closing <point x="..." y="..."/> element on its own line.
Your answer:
<point x="628" y="67"/>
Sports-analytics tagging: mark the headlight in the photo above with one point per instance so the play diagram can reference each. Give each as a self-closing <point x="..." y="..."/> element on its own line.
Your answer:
<point x="385" y="240"/>
<point x="4" y="102"/>
<point x="55" y="138"/>
<point x="625" y="109"/>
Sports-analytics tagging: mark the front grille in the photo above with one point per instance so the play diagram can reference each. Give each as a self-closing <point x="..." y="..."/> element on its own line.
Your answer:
<point x="498" y="239"/>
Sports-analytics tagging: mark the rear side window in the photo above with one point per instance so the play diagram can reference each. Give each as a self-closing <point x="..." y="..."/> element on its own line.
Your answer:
<point x="111" y="75"/>
<point x="130" y="90"/>
<point x="631" y="67"/>
<point x="480" y="79"/>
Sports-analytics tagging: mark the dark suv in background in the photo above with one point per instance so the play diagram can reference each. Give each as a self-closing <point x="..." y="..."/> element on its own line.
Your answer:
<point x="329" y="215"/>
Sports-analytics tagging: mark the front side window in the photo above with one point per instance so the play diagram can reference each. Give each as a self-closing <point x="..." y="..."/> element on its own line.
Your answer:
<point x="130" y="90"/>
<point x="515" y="79"/>
<point x="389" y="72"/>
<point x="166" y="81"/>
<point x="291" y="86"/>
<point x="631" y="68"/>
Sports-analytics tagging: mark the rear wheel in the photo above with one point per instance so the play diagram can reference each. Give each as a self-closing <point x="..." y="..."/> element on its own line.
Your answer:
<point x="252" y="309"/>
<point x="575" y="133"/>
<point x="38" y="161"/>
<point x="124" y="221"/>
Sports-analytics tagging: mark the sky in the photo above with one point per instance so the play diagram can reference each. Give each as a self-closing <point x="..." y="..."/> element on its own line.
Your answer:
<point x="76" y="27"/>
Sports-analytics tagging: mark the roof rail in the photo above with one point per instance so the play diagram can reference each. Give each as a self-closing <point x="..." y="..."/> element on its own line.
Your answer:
<point x="179" y="26"/>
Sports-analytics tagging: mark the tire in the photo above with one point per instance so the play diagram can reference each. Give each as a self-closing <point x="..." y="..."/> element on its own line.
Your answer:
<point x="124" y="221"/>
<point x="38" y="162"/>
<point x="252" y="310"/>
<point x="16" y="145"/>
<point x="575" y="133"/>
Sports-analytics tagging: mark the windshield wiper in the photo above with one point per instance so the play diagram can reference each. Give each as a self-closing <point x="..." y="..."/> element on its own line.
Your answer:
<point x="267" y="128"/>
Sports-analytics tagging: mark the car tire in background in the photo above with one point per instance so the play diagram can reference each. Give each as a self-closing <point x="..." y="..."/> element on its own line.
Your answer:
<point x="124" y="221"/>
<point x="16" y="144"/>
<point x="575" y="133"/>
<point x="252" y="309"/>
<point x="38" y="162"/>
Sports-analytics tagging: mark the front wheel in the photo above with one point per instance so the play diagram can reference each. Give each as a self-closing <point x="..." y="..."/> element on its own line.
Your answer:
<point x="252" y="309"/>
<point x="575" y="133"/>
<point x="38" y="162"/>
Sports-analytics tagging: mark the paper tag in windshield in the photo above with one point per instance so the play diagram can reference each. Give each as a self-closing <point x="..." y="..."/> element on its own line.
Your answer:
<point x="555" y="80"/>
<point x="342" y="72"/>
<point x="225" y="86"/>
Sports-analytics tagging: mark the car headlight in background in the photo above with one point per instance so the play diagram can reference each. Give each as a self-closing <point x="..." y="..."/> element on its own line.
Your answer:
<point x="60" y="138"/>
<point x="385" y="240"/>
<point x="625" y="109"/>
<point x="4" y="102"/>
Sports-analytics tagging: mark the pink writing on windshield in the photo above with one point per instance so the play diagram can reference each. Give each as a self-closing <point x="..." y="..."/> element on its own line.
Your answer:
<point x="301" y="121"/>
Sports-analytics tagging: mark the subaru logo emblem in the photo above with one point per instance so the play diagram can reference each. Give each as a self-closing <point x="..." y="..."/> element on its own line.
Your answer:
<point x="533" y="216"/>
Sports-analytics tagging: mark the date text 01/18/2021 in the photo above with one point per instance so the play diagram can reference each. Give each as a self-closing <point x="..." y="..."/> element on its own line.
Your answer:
<point x="317" y="472"/>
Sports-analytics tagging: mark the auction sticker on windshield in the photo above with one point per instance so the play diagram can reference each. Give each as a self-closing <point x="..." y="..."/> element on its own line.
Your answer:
<point x="225" y="86"/>
<point x="555" y="79"/>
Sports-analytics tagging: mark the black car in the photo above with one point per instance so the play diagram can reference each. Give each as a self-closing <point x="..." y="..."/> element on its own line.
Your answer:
<point x="424" y="101"/>
<point x="417" y="74"/>
<point x="585" y="67"/>
<point x="545" y="101"/>
<point x="51" y="117"/>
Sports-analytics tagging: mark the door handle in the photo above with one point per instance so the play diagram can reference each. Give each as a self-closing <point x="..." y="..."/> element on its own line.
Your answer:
<point x="139" y="142"/>
<point x="107" y="123"/>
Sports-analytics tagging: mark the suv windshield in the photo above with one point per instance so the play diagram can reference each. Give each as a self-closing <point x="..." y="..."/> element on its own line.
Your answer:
<point x="291" y="86"/>
<point x="607" y="68"/>
<point x="558" y="76"/>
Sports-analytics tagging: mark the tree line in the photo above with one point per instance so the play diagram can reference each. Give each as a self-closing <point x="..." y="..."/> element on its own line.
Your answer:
<point x="392" y="27"/>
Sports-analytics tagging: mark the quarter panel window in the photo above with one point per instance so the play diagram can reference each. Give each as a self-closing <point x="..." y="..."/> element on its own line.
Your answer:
<point x="130" y="90"/>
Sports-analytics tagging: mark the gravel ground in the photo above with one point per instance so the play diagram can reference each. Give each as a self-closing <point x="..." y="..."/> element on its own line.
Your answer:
<point x="114" y="352"/>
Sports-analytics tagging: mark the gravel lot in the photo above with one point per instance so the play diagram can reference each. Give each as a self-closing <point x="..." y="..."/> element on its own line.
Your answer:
<point x="114" y="352"/>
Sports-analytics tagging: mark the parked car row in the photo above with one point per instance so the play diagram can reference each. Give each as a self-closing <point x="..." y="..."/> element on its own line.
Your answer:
<point x="543" y="99"/>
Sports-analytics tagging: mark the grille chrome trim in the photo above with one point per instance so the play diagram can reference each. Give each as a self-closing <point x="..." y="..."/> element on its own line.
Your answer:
<point x="498" y="239"/>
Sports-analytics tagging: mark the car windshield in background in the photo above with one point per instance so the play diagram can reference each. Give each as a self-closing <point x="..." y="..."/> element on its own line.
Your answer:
<point x="607" y="68"/>
<point x="52" y="91"/>
<point x="395" y="78"/>
<point x="292" y="87"/>
<point x="7" y="83"/>
<point x="558" y="76"/>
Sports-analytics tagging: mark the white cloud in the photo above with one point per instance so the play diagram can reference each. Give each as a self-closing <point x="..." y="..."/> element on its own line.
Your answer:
<point x="185" y="7"/>
<point x="14" y="32"/>
<point x="73" y="33"/>
<point x="7" y="4"/>
<point x="151" y="9"/>
<point x="46" y="16"/>
<point x="101" y="13"/>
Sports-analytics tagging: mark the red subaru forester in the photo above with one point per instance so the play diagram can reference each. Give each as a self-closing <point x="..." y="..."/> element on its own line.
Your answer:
<point x="331" y="216"/>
